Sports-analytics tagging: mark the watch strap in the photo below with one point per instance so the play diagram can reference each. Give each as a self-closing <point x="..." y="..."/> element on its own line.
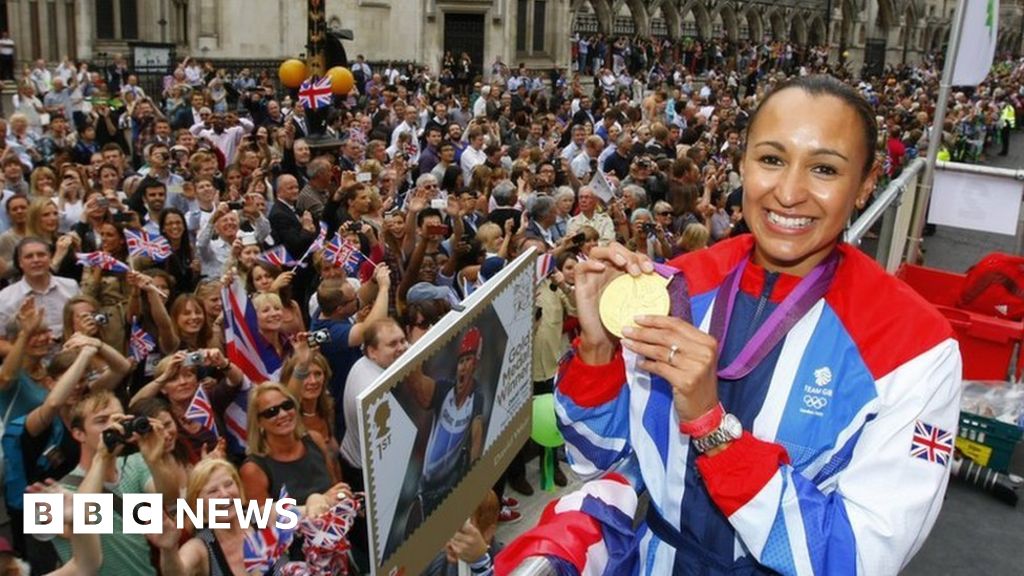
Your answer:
<point x="717" y="437"/>
<point x="704" y="424"/>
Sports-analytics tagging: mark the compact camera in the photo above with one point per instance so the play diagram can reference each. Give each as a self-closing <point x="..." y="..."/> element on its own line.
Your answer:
<point x="318" y="337"/>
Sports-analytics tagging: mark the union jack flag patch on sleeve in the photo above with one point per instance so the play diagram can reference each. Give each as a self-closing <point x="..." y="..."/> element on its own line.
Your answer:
<point x="931" y="443"/>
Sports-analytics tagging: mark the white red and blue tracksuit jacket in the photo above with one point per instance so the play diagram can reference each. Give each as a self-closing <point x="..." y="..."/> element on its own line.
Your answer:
<point x="831" y="475"/>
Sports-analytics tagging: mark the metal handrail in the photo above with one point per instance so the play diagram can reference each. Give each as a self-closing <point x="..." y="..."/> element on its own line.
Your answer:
<point x="890" y="195"/>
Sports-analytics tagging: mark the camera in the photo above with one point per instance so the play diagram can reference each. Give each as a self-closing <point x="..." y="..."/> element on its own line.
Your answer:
<point x="649" y="228"/>
<point x="236" y="205"/>
<point x="193" y="359"/>
<point x="103" y="203"/>
<point x="318" y="337"/>
<point x="133" y="425"/>
<point x="124" y="217"/>
<point x="353" y="227"/>
<point x="101" y="318"/>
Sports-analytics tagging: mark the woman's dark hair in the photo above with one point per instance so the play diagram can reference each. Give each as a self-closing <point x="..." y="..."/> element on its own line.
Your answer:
<point x="186" y="245"/>
<point x="151" y="408"/>
<point x="285" y="293"/>
<point x="822" y="85"/>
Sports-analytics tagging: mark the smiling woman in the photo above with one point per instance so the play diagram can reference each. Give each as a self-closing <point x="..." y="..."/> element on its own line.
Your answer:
<point x="803" y="422"/>
<point x="803" y="173"/>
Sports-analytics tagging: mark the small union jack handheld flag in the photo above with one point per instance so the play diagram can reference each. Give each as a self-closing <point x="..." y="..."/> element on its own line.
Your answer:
<point x="141" y="243"/>
<point x="200" y="411"/>
<point x="141" y="343"/>
<point x="103" y="261"/>
<point x="278" y="256"/>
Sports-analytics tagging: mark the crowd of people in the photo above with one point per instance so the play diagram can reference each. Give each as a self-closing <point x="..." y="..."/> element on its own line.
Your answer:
<point x="436" y="184"/>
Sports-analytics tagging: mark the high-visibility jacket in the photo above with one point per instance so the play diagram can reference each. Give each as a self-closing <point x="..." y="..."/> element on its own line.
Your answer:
<point x="1009" y="116"/>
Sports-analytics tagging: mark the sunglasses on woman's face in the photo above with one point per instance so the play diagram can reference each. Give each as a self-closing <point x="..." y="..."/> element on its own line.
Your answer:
<point x="287" y="405"/>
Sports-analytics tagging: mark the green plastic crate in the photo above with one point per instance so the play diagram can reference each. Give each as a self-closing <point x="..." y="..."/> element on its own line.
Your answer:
<point x="986" y="441"/>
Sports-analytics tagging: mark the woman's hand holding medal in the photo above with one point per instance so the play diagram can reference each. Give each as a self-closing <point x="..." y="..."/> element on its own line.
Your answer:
<point x="670" y="347"/>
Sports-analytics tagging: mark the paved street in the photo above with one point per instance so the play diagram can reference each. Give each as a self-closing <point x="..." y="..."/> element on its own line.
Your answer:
<point x="975" y="533"/>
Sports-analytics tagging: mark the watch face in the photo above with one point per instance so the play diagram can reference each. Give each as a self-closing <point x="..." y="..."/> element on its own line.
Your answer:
<point x="732" y="426"/>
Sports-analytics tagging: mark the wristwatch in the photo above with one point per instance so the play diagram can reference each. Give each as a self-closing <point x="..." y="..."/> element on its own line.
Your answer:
<point x="728" y="430"/>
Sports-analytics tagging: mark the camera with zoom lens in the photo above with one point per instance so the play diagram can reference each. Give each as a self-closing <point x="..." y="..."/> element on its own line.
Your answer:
<point x="101" y="318"/>
<point x="133" y="425"/>
<point x="318" y="337"/>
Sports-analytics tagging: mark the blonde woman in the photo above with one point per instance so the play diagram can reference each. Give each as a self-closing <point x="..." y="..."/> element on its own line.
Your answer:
<point x="217" y="552"/>
<point x="282" y="452"/>
<point x="306" y="374"/>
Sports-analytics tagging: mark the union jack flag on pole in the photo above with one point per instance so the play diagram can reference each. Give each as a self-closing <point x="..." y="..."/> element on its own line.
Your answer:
<point x="200" y="410"/>
<point x="103" y="261"/>
<point x="247" y="350"/>
<point x="315" y="93"/>
<point x="278" y="256"/>
<point x="316" y="245"/>
<point x="545" y="264"/>
<point x="931" y="443"/>
<point x="141" y="343"/>
<point x="152" y="246"/>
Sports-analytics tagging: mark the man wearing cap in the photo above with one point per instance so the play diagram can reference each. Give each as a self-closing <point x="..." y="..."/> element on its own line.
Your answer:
<point x="457" y="432"/>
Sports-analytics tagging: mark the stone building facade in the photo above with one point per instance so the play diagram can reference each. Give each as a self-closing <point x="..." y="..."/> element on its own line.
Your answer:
<point x="893" y="31"/>
<point x="532" y="31"/>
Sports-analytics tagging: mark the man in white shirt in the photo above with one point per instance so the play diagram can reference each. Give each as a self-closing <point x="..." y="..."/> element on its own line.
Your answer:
<point x="224" y="138"/>
<point x="410" y="125"/>
<point x="583" y="165"/>
<point x="50" y="292"/>
<point x="384" y="341"/>
<point x="589" y="216"/>
<point x="480" y="106"/>
<point x="473" y="155"/>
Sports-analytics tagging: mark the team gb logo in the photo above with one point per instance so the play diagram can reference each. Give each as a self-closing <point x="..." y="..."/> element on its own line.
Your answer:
<point x="823" y="376"/>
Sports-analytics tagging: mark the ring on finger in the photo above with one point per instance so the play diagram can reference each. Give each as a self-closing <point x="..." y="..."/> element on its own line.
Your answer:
<point x="671" y="353"/>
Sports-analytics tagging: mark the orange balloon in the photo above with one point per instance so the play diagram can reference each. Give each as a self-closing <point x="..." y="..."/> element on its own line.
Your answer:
<point x="292" y="73"/>
<point x="342" y="80"/>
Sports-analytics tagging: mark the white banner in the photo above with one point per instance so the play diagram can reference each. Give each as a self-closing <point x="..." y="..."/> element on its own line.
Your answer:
<point x="977" y="42"/>
<point x="985" y="203"/>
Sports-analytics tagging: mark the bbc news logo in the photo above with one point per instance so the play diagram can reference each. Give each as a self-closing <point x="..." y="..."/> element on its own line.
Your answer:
<point x="143" y="513"/>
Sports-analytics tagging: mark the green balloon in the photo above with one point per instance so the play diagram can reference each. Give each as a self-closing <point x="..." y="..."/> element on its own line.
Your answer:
<point x="545" y="428"/>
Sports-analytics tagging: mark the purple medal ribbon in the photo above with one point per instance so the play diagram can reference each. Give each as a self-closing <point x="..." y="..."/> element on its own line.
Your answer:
<point x="800" y="301"/>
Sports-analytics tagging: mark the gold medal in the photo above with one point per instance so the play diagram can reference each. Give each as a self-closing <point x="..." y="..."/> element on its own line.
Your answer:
<point x="626" y="297"/>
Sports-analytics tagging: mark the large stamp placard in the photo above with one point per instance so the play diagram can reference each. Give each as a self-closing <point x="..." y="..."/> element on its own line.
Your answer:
<point x="441" y="424"/>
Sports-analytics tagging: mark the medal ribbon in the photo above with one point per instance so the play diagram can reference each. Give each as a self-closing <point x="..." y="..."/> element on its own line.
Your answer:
<point x="799" y="302"/>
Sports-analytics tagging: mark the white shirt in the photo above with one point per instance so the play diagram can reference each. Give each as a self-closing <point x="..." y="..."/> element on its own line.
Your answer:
<point x="363" y="375"/>
<point x="51" y="301"/>
<point x="480" y="107"/>
<point x="471" y="158"/>
<point x="580" y="165"/>
<point x="414" y="143"/>
<point x="227" y="141"/>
